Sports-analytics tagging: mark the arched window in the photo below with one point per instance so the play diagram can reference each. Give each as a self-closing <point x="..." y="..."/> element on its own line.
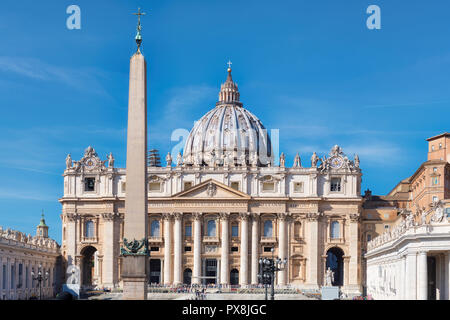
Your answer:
<point x="268" y="229"/>
<point x="211" y="228"/>
<point x="89" y="229"/>
<point x="154" y="228"/>
<point x="369" y="237"/>
<point x="335" y="229"/>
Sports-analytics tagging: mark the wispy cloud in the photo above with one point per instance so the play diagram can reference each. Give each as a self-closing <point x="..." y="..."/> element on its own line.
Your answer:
<point x="82" y="78"/>
<point x="22" y="194"/>
<point x="406" y="105"/>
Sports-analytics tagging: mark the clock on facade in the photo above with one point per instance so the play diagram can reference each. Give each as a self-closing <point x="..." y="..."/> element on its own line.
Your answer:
<point x="336" y="162"/>
<point x="90" y="163"/>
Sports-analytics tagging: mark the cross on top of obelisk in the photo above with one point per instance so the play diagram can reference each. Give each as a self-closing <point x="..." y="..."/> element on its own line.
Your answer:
<point x="139" y="28"/>
<point x="229" y="63"/>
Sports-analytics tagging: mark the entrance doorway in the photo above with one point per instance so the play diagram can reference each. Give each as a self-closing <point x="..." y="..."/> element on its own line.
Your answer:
<point x="234" y="277"/>
<point x="155" y="271"/>
<point x="187" y="276"/>
<point x="431" y="270"/>
<point x="336" y="263"/>
<point x="88" y="265"/>
<point x="211" y="271"/>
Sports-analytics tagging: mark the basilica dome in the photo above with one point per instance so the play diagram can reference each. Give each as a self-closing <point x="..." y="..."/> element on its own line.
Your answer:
<point x="229" y="134"/>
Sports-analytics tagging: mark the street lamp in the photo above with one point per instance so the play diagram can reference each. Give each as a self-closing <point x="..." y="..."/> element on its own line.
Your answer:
<point x="39" y="279"/>
<point x="267" y="268"/>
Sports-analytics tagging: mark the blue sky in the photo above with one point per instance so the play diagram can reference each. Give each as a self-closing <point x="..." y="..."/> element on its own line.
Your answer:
<point x="311" y="69"/>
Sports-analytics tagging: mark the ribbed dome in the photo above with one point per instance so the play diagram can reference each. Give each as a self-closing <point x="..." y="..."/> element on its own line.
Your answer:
<point x="228" y="134"/>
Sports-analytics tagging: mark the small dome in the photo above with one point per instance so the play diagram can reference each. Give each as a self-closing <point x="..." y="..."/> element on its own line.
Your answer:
<point x="228" y="134"/>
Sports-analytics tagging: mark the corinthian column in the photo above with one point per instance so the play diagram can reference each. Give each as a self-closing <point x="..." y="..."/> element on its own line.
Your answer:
<point x="243" y="279"/>
<point x="177" y="258"/>
<point x="167" y="244"/>
<point x="422" y="275"/>
<point x="197" y="248"/>
<point x="224" y="273"/>
<point x="282" y="246"/>
<point x="255" y="246"/>
<point x="312" y="276"/>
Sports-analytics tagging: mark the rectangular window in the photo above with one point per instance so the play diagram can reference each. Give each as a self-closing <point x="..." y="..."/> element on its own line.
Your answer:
<point x="188" y="230"/>
<point x="124" y="187"/>
<point x="298" y="187"/>
<point x="20" y="275"/>
<point x="267" y="249"/>
<point x="187" y="185"/>
<point x="89" y="184"/>
<point x="13" y="277"/>
<point x="435" y="181"/>
<point x="154" y="187"/>
<point x="235" y="231"/>
<point x="154" y="248"/>
<point x="235" y="185"/>
<point x="187" y="249"/>
<point x="268" y="186"/>
<point x="335" y="185"/>
<point x="234" y="249"/>
<point x="435" y="199"/>
<point x="4" y="277"/>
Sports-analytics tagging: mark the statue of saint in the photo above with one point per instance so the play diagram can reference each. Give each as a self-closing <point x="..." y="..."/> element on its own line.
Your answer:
<point x="68" y="161"/>
<point x="282" y="160"/>
<point x="110" y="160"/>
<point x="356" y="161"/>
<point x="168" y="160"/>
<point x="314" y="160"/>
<point x="329" y="277"/>
<point x="297" y="161"/>
<point x="179" y="159"/>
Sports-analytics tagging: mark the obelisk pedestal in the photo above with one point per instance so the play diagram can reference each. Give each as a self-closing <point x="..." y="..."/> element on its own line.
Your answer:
<point x="135" y="251"/>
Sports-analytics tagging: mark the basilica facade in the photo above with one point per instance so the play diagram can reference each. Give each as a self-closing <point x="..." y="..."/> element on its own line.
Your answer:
<point x="219" y="207"/>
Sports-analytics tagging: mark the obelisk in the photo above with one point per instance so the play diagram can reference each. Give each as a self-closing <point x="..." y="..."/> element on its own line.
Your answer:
<point x="135" y="250"/>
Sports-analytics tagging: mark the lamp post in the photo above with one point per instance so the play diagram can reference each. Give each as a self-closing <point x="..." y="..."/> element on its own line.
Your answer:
<point x="267" y="268"/>
<point x="39" y="279"/>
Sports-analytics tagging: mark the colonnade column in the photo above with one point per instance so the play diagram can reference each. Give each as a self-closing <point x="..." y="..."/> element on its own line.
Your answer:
<point x="243" y="278"/>
<point x="177" y="248"/>
<point x="224" y="272"/>
<point x="282" y="246"/>
<point x="313" y="250"/>
<point x="197" y="248"/>
<point x="167" y="244"/>
<point x="402" y="275"/>
<point x="411" y="276"/>
<point x="447" y="275"/>
<point x="422" y="276"/>
<point x="255" y="248"/>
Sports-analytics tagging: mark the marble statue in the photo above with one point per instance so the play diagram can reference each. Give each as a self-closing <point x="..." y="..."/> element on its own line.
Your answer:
<point x="314" y="160"/>
<point x="168" y="160"/>
<point x="179" y="159"/>
<point x="297" y="162"/>
<point x="68" y="161"/>
<point x="243" y="159"/>
<point x="356" y="161"/>
<point x="282" y="160"/>
<point x="329" y="277"/>
<point x="110" y="160"/>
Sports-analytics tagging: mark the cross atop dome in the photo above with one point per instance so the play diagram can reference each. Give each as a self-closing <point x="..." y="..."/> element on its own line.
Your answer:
<point x="229" y="92"/>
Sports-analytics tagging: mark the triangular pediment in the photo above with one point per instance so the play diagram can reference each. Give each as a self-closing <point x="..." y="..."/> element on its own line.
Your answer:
<point x="211" y="189"/>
